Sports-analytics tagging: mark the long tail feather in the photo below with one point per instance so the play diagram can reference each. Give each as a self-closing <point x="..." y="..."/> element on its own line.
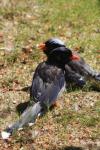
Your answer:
<point x="29" y="116"/>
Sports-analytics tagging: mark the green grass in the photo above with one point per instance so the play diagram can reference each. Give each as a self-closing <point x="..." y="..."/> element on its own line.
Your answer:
<point x="44" y="19"/>
<point x="28" y="23"/>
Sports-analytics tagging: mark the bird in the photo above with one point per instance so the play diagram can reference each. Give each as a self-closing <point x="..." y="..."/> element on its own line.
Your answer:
<point x="77" y="70"/>
<point x="50" y="44"/>
<point x="70" y="75"/>
<point x="47" y="85"/>
<point x="84" y="69"/>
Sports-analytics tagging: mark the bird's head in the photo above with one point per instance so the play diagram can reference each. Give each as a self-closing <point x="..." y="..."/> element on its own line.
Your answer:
<point x="61" y="55"/>
<point x="54" y="46"/>
<point x="51" y="44"/>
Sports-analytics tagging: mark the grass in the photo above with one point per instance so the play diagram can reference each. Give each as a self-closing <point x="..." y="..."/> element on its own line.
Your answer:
<point x="24" y="24"/>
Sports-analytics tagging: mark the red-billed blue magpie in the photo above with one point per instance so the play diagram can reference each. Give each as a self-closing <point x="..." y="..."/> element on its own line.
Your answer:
<point x="47" y="84"/>
<point x="77" y="70"/>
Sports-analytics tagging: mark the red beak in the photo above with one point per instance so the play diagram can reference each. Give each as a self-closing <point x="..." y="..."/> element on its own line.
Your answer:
<point x="42" y="46"/>
<point x="75" y="57"/>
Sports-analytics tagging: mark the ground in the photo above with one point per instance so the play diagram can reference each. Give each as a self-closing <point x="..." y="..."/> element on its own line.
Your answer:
<point x="75" y="124"/>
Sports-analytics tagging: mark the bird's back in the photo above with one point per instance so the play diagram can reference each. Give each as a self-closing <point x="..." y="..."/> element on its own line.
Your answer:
<point x="47" y="83"/>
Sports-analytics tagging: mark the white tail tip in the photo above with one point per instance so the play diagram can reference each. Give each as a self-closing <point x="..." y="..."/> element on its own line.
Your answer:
<point x="5" y="135"/>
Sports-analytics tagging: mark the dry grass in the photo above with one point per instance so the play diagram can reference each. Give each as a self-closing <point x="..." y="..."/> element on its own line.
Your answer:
<point x="75" y="124"/>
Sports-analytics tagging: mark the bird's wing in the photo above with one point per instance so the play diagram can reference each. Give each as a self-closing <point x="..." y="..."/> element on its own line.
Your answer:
<point x="47" y="83"/>
<point x="73" y="77"/>
<point x="82" y="68"/>
<point x="78" y="67"/>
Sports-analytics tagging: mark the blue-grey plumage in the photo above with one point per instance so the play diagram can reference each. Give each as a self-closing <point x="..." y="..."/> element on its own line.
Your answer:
<point x="81" y="71"/>
<point x="56" y="46"/>
<point x="47" y="84"/>
<point x="82" y="68"/>
<point x="28" y="116"/>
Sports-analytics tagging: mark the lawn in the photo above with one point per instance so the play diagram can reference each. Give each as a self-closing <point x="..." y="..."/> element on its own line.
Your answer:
<point x="75" y="124"/>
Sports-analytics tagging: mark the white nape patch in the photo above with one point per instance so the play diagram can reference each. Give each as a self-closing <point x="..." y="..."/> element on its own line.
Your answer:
<point x="5" y="135"/>
<point x="58" y="41"/>
<point x="30" y="124"/>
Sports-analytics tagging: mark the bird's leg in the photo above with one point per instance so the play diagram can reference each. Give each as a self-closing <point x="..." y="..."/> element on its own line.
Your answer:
<point x="55" y="104"/>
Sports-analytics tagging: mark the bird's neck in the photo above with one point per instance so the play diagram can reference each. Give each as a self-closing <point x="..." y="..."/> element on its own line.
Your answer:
<point x="52" y="61"/>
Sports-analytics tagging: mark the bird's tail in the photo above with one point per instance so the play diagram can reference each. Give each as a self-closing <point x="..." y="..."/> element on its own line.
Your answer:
<point x="29" y="116"/>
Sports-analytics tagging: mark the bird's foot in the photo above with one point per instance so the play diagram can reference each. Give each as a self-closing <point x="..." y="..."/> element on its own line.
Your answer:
<point x="55" y="104"/>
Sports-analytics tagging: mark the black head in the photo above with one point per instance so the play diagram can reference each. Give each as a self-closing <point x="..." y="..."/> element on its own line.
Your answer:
<point x="51" y="44"/>
<point x="54" y="43"/>
<point x="56" y="48"/>
<point x="60" y="55"/>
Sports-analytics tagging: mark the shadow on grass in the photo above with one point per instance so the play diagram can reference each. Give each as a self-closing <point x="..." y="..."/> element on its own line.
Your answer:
<point x="94" y="88"/>
<point x="20" y="108"/>
<point x="70" y="148"/>
<point x="25" y="89"/>
<point x="79" y="148"/>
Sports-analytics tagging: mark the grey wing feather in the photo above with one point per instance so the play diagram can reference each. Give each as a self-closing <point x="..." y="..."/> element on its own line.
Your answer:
<point x="47" y="83"/>
<point x="46" y="87"/>
<point x="73" y="77"/>
<point x="52" y="91"/>
<point x="82" y="68"/>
